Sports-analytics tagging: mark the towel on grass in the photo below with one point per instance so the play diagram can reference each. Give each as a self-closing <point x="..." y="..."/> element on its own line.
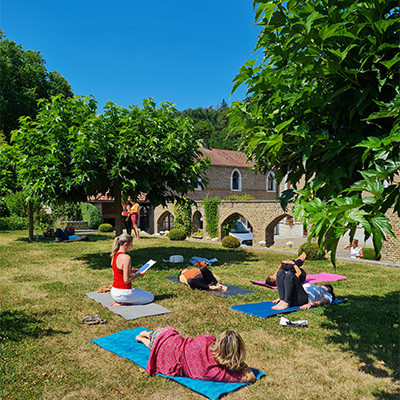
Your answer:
<point x="232" y="290"/>
<point x="123" y="344"/>
<point x="194" y="260"/>
<point x="312" y="278"/>
<point x="128" y="312"/>
<point x="264" y="309"/>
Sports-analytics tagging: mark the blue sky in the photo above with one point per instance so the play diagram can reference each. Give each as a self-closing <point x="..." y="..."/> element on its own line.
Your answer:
<point x="186" y="52"/>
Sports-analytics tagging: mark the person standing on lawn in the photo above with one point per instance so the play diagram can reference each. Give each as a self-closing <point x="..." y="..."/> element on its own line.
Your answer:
<point x="134" y="214"/>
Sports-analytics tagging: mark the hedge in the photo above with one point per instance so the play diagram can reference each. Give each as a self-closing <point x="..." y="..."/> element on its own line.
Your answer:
<point x="177" y="234"/>
<point x="231" y="242"/>
<point x="92" y="215"/>
<point x="312" y="250"/>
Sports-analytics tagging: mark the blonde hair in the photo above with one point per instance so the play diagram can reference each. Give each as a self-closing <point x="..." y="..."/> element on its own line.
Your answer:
<point x="229" y="350"/>
<point x="118" y="242"/>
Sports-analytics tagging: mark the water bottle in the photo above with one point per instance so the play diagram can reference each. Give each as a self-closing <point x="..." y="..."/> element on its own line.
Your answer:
<point x="37" y="237"/>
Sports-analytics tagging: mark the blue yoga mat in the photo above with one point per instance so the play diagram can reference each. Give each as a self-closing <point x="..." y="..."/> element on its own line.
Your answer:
<point x="123" y="344"/>
<point x="263" y="310"/>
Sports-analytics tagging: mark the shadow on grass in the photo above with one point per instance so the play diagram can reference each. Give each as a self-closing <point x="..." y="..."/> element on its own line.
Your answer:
<point x="368" y="326"/>
<point x="164" y="296"/>
<point x="17" y="325"/>
<point x="140" y="256"/>
<point x="93" y="238"/>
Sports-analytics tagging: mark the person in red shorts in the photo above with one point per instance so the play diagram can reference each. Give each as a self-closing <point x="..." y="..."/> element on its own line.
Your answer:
<point x="133" y="211"/>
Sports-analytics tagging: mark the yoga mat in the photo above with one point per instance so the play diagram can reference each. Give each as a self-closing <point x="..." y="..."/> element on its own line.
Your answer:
<point x="263" y="309"/>
<point x="123" y="344"/>
<point x="128" y="312"/>
<point x="316" y="278"/>
<point x="232" y="290"/>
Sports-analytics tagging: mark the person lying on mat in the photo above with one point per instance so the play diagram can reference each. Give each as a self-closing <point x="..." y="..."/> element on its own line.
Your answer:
<point x="67" y="235"/>
<point x="292" y="266"/>
<point x="200" y="278"/>
<point x="121" y="290"/>
<point x="293" y="293"/>
<point x="205" y="357"/>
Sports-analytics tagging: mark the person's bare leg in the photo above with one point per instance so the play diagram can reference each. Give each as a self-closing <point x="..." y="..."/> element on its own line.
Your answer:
<point x="282" y="305"/>
<point x="144" y="337"/>
<point x="136" y="230"/>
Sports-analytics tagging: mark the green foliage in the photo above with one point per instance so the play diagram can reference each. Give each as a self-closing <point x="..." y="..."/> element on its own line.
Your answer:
<point x="240" y="197"/>
<point x="23" y="81"/>
<point x="183" y="215"/>
<point x="106" y="228"/>
<point x="92" y="215"/>
<point x="211" y="215"/>
<point x="16" y="204"/>
<point x="312" y="250"/>
<point x="176" y="234"/>
<point x="370" y="254"/>
<point x="324" y="105"/>
<point x="228" y="226"/>
<point x="3" y="208"/>
<point x="67" y="211"/>
<point x="43" y="221"/>
<point x="231" y="242"/>
<point x="13" y="223"/>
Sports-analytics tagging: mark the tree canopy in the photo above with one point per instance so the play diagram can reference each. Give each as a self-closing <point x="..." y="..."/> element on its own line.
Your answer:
<point x="69" y="152"/>
<point x="24" y="80"/>
<point x="323" y="106"/>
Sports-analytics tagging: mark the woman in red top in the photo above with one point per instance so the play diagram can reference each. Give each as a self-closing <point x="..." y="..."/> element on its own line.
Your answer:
<point x="122" y="291"/>
<point x="204" y="357"/>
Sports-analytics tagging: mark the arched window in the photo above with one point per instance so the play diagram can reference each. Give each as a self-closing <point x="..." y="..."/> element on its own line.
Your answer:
<point x="271" y="182"/>
<point x="236" y="180"/>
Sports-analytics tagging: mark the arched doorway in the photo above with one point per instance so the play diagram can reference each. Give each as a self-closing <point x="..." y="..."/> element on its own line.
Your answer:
<point x="197" y="221"/>
<point x="165" y="222"/>
<point x="237" y="225"/>
<point x="270" y="230"/>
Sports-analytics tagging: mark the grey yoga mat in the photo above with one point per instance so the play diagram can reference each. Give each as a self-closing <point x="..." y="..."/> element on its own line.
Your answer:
<point x="128" y="312"/>
<point x="232" y="290"/>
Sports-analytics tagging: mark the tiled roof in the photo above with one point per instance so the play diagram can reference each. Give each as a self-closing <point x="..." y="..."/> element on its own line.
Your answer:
<point x="227" y="158"/>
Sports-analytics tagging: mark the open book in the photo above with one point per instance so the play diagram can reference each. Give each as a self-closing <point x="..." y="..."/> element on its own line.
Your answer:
<point x="146" y="266"/>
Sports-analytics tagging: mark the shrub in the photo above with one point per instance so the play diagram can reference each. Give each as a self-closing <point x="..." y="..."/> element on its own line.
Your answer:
<point x="242" y="197"/>
<point x="16" y="204"/>
<point x="106" y="228"/>
<point x="177" y="234"/>
<point x="312" y="250"/>
<point x="43" y="221"/>
<point x="13" y="223"/>
<point x="183" y="216"/>
<point x="67" y="211"/>
<point x="369" y="254"/>
<point x="211" y="215"/>
<point x="92" y="215"/>
<point x="231" y="242"/>
<point x="228" y="226"/>
<point x="3" y="208"/>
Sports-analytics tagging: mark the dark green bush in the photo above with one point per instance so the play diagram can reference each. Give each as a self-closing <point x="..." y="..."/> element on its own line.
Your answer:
<point x="92" y="215"/>
<point x="369" y="254"/>
<point x="3" y="208"/>
<point x="67" y="211"/>
<point x="177" y="234"/>
<point x="231" y="242"/>
<point x="16" y="204"/>
<point x="43" y="221"/>
<point x="211" y="215"/>
<point x="106" y="228"/>
<point x="312" y="250"/>
<point x="13" y="223"/>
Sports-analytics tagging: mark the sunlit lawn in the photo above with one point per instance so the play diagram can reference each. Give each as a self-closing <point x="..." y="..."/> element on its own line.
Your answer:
<point x="349" y="351"/>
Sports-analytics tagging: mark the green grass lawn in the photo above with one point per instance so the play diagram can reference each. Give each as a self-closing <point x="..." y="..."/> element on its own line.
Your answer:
<point x="349" y="351"/>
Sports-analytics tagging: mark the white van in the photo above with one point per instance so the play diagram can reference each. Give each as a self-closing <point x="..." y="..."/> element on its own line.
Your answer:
<point x="242" y="233"/>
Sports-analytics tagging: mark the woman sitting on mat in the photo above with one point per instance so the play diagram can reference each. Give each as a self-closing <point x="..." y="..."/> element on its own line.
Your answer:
<point x="293" y="293"/>
<point x="200" y="278"/>
<point x="122" y="291"/>
<point x="292" y="266"/>
<point x="204" y="357"/>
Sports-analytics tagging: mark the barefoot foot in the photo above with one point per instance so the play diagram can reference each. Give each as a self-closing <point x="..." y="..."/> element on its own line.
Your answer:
<point x="282" y="305"/>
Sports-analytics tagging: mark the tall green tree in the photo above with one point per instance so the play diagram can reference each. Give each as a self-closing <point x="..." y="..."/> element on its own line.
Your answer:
<point x="24" y="80"/>
<point x="323" y="104"/>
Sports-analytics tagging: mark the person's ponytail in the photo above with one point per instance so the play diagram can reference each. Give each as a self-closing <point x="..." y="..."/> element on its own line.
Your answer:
<point x="118" y="242"/>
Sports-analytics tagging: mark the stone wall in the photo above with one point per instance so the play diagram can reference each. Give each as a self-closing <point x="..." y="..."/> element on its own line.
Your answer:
<point x="78" y="225"/>
<point x="391" y="246"/>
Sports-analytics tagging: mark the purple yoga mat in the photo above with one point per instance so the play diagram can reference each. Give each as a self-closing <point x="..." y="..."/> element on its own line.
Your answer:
<point x="316" y="278"/>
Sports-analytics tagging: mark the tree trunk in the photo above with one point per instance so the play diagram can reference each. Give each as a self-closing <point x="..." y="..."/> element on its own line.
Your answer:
<point x="30" y="214"/>
<point x="117" y="208"/>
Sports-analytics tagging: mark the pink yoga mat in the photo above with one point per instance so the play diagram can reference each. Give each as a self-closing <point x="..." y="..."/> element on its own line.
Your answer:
<point x="316" y="278"/>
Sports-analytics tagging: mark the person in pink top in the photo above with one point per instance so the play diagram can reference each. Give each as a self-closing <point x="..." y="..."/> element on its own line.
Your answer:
<point x="203" y="357"/>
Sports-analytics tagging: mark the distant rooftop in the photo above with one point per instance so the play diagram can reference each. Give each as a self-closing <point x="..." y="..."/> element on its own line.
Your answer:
<point x="227" y="158"/>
